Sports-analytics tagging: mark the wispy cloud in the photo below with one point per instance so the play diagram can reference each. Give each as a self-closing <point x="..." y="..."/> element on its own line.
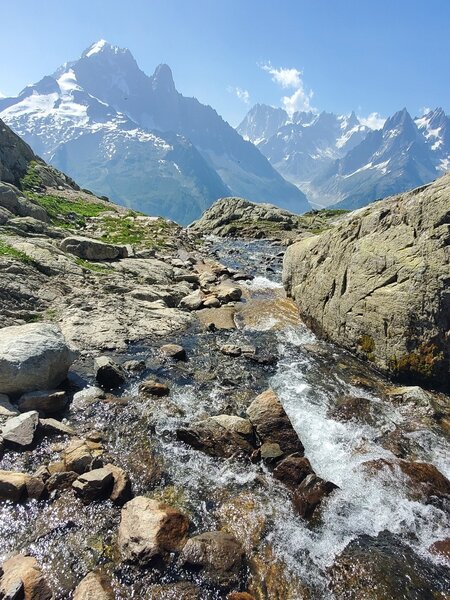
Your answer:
<point x="242" y="94"/>
<point x="2" y="95"/>
<point x="300" y="99"/>
<point x="424" y="110"/>
<point x="373" y="121"/>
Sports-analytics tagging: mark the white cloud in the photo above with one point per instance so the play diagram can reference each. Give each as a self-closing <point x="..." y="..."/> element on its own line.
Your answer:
<point x="243" y="95"/>
<point x="373" y="121"/>
<point x="2" y="95"/>
<point x="290" y="78"/>
<point x="285" y="77"/>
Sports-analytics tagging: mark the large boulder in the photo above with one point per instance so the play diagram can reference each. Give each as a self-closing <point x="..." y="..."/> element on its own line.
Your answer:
<point x="32" y="357"/>
<point x="272" y="424"/>
<point x="12" y="201"/>
<point x="149" y="529"/>
<point x="222" y="435"/>
<point x="378" y="283"/>
<point x="91" y="249"/>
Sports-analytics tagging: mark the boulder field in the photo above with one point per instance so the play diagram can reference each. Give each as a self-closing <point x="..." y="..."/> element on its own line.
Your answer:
<point x="378" y="283"/>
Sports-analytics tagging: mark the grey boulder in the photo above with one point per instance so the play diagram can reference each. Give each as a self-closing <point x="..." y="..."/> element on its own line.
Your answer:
<point x="32" y="357"/>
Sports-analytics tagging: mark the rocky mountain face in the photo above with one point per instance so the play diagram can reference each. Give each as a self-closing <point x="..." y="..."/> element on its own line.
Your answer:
<point x="136" y="139"/>
<point x="337" y="160"/>
<point x="378" y="283"/>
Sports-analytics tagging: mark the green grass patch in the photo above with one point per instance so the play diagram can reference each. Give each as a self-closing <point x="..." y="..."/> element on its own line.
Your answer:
<point x="86" y="264"/>
<point x="147" y="234"/>
<point x="68" y="214"/>
<point x="32" y="178"/>
<point x="7" y="250"/>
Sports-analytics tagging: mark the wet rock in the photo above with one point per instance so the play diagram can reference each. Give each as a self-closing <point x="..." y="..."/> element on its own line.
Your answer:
<point x="424" y="480"/>
<point x="91" y="249"/>
<point x="441" y="548"/>
<point x="36" y="488"/>
<point x="245" y="517"/>
<point x="271" y="579"/>
<point x="108" y="373"/>
<point x="80" y="457"/>
<point x="149" y="529"/>
<point x="222" y="435"/>
<point x="272" y="423"/>
<point x="23" y="578"/>
<point x="175" y="591"/>
<point x="46" y="401"/>
<point x="52" y="426"/>
<point x="225" y="294"/>
<point x="121" y="490"/>
<point x="293" y="470"/>
<point x="174" y="351"/>
<point x="211" y="302"/>
<point x="85" y="397"/>
<point x="13" y="486"/>
<point x="310" y="493"/>
<point x="192" y="301"/>
<point x="60" y="480"/>
<point x="384" y="568"/>
<point x="270" y="452"/>
<point x="94" y="485"/>
<point x="350" y="407"/>
<point x="230" y="350"/>
<point x="134" y="366"/>
<point x="34" y="356"/>
<point x="216" y="554"/>
<point x="151" y="387"/>
<point x="20" y="430"/>
<point x="95" y="586"/>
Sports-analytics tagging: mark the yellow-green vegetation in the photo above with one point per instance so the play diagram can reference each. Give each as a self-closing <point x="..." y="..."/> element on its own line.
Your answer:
<point x="425" y="362"/>
<point x="86" y="264"/>
<point x="140" y="234"/>
<point x="68" y="213"/>
<point x="31" y="179"/>
<point x="367" y="345"/>
<point x="7" y="250"/>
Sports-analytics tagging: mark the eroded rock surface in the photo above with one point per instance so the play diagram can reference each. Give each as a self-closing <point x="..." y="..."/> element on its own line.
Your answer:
<point x="378" y="283"/>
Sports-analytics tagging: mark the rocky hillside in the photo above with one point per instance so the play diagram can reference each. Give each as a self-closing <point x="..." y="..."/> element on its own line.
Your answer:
<point x="236" y="217"/>
<point x="378" y="283"/>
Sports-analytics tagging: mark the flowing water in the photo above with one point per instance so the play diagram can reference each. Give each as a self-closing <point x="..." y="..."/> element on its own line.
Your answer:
<point x="69" y="538"/>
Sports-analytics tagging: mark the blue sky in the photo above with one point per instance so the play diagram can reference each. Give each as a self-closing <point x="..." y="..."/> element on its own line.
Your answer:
<point x="334" y="55"/>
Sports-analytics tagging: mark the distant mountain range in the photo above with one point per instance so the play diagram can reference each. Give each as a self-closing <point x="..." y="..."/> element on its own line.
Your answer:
<point x="337" y="160"/>
<point x="137" y="140"/>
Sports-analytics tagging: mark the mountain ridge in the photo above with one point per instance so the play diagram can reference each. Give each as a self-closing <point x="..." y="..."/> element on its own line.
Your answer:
<point x="336" y="160"/>
<point x="104" y="106"/>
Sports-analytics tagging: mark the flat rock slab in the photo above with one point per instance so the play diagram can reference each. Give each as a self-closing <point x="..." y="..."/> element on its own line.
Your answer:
<point x="91" y="249"/>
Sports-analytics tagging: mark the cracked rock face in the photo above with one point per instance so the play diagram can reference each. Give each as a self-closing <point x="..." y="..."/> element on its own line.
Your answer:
<point x="378" y="283"/>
